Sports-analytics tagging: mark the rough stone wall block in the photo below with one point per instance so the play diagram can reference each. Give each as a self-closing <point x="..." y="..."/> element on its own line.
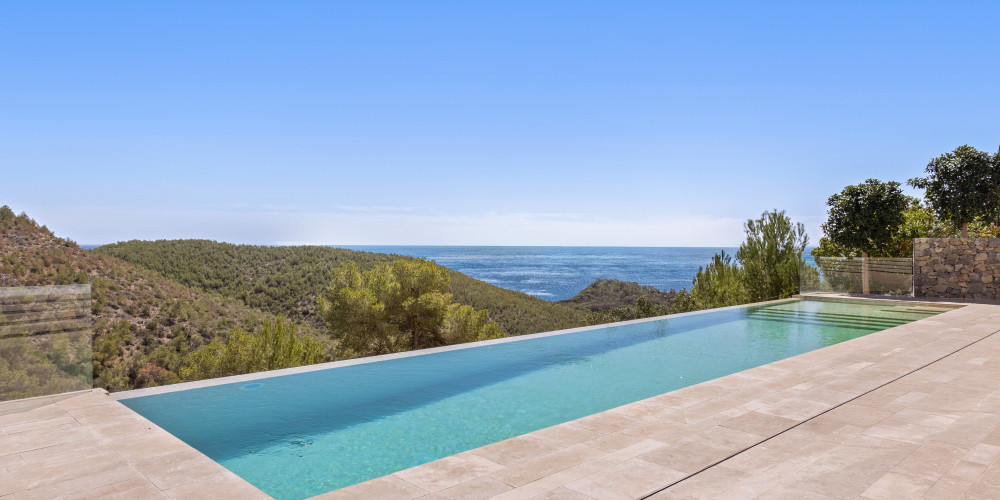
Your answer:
<point x="964" y="268"/>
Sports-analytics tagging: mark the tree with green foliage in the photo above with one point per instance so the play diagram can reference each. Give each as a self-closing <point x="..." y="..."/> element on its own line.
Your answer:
<point x="766" y="266"/>
<point x="465" y="324"/>
<point x="272" y="347"/>
<point x="866" y="217"/>
<point x="720" y="283"/>
<point x="919" y="221"/>
<point x="962" y="186"/>
<point x="771" y="256"/>
<point x="397" y="306"/>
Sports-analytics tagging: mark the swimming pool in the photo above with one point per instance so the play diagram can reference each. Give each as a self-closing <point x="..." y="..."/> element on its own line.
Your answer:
<point x="298" y="435"/>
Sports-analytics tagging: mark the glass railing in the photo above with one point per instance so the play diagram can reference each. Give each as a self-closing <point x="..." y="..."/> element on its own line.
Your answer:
<point x="45" y="340"/>
<point x="849" y="275"/>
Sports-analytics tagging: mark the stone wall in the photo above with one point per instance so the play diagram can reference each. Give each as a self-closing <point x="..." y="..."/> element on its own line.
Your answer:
<point x="966" y="268"/>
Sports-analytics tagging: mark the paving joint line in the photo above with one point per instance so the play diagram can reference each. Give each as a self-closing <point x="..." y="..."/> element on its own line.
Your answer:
<point x="824" y="412"/>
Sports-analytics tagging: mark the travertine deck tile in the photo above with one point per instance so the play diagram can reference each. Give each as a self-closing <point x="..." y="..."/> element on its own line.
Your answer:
<point x="686" y="456"/>
<point x="568" y="434"/>
<point x="983" y="453"/>
<point x="50" y="424"/>
<point x="796" y="408"/>
<point x="836" y="477"/>
<point x="725" y="438"/>
<point x="475" y="489"/>
<point x="606" y="422"/>
<point x="9" y="460"/>
<point x="532" y="470"/>
<point x="913" y="426"/>
<point x="897" y="487"/>
<point x="627" y="480"/>
<point x="562" y="494"/>
<point x="967" y="471"/>
<point x="947" y="488"/>
<point x="516" y="450"/>
<point x="61" y="451"/>
<point x="87" y="445"/>
<point x="931" y="461"/>
<point x="759" y="423"/>
<point x="965" y="435"/>
<point x="29" y="441"/>
<point x="220" y="485"/>
<point x="176" y="468"/>
<point x="124" y="490"/>
<point x="384" y="488"/>
<point x="711" y="484"/>
<point x="448" y="471"/>
<point x="557" y="480"/>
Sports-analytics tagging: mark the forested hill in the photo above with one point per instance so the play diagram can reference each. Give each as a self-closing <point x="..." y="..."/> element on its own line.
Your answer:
<point x="606" y="294"/>
<point x="145" y="325"/>
<point x="287" y="279"/>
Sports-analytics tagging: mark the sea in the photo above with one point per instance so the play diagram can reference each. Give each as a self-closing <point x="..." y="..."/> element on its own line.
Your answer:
<point x="557" y="273"/>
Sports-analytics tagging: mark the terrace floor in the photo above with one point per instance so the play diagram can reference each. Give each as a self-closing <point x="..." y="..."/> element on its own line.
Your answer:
<point x="909" y="412"/>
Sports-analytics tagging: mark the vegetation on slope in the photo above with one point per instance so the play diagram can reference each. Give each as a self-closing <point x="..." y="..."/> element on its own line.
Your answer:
<point x="273" y="347"/>
<point x="288" y="280"/>
<point x="145" y="325"/>
<point x="606" y="294"/>
<point x="766" y="266"/>
<point x="398" y="306"/>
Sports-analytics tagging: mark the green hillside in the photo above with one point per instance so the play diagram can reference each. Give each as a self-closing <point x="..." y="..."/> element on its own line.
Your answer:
<point x="145" y="325"/>
<point x="287" y="279"/>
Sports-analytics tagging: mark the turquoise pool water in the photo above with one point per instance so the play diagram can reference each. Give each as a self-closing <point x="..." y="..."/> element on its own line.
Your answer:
<point x="300" y="435"/>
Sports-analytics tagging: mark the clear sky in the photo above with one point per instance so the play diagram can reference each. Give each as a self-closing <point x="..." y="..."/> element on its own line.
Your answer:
<point x="500" y="123"/>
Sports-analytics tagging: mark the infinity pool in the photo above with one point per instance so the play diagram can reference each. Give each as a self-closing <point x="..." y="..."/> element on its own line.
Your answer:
<point x="299" y="435"/>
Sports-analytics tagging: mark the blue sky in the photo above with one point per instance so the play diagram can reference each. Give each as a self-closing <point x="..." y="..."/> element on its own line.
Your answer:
<point x="501" y="123"/>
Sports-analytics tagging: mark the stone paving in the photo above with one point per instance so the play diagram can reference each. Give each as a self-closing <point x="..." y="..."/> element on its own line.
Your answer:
<point x="910" y="412"/>
<point x="87" y="445"/>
